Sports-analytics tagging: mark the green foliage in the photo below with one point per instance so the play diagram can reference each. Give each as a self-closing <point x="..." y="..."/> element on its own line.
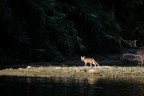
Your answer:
<point x="131" y="21"/>
<point x="96" y="26"/>
<point x="36" y="30"/>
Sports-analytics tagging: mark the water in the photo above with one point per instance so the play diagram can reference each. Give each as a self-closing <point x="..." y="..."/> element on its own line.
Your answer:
<point x="84" y="86"/>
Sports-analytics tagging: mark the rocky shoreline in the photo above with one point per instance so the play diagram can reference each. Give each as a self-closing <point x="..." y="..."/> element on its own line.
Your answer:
<point x="74" y="71"/>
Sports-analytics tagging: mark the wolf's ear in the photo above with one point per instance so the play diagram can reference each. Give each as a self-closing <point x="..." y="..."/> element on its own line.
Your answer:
<point x="82" y="56"/>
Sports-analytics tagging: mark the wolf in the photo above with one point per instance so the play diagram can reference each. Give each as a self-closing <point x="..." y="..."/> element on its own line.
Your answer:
<point x="89" y="60"/>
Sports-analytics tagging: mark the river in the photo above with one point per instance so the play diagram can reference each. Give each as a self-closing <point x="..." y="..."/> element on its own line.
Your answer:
<point x="70" y="86"/>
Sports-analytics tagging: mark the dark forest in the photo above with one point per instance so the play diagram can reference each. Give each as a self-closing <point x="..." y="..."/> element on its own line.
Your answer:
<point x="51" y="30"/>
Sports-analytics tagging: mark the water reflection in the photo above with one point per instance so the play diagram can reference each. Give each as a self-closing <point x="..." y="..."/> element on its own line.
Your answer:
<point x="83" y="86"/>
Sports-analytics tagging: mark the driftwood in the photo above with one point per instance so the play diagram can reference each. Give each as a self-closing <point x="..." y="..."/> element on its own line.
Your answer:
<point x="135" y="58"/>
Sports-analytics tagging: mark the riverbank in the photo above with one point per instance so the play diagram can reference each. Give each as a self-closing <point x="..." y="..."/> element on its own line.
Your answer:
<point x="74" y="71"/>
<point x="111" y="66"/>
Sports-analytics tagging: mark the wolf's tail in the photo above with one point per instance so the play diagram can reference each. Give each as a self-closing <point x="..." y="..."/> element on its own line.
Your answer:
<point x="96" y="63"/>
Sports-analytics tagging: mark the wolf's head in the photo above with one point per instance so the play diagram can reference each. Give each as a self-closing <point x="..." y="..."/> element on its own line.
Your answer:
<point x="82" y="58"/>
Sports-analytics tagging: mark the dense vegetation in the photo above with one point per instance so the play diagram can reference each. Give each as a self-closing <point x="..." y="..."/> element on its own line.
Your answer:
<point x="34" y="30"/>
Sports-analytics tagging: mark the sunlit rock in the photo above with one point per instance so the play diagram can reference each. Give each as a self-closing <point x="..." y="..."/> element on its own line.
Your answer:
<point x="29" y="67"/>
